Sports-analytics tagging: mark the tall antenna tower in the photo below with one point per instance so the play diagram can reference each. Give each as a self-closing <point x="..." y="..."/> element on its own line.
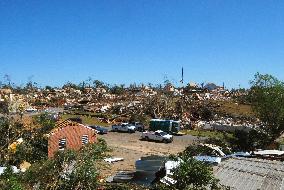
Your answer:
<point x="181" y="77"/>
<point x="182" y="96"/>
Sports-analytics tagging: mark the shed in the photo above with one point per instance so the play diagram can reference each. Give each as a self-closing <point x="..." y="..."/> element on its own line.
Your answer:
<point x="70" y="135"/>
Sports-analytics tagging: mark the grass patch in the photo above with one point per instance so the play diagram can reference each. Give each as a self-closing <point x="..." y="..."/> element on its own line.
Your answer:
<point x="87" y="113"/>
<point x="86" y="119"/>
<point x="209" y="134"/>
<point x="280" y="141"/>
<point x="232" y="108"/>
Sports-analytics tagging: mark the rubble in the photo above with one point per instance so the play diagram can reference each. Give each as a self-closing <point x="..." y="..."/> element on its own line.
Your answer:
<point x="14" y="168"/>
<point x="170" y="102"/>
<point x="111" y="160"/>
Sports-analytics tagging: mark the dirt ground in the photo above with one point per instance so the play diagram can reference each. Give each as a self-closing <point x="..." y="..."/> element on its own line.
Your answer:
<point x="131" y="148"/>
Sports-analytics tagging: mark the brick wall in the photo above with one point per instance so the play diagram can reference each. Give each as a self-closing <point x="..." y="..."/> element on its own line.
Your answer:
<point x="73" y="135"/>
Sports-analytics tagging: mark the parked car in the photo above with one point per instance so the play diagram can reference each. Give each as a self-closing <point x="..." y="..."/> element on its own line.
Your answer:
<point x="157" y="136"/>
<point x="31" y="110"/>
<point x="124" y="127"/>
<point x="138" y="126"/>
<point x="76" y="119"/>
<point x="99" y="129"/>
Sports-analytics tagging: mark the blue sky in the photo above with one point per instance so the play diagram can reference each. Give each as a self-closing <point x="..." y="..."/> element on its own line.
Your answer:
<point x="122" y="41"/>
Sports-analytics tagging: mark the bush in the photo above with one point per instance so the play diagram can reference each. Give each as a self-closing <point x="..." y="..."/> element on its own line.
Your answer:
<point x="9" y="180"/>
<point x="35" y="145"/>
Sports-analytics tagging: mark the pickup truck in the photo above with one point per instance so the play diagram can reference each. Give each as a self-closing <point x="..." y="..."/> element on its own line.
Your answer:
<point x="124" y="127"/>
<point x="138" y="126"/>
<point x="157" y="136"/>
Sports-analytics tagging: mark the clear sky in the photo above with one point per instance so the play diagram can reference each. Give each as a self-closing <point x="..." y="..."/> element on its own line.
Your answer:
<point x="126" y="41"/>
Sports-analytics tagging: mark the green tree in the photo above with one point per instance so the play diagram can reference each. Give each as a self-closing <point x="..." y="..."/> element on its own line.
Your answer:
<point x="71" y="85"/>
<point x="117" y="89"/>
<point x="4" y="107"/>
<point x="206" y="113"/>
<point x="98" y="84"/>
<point x="248" y="141"/>
<point x="69" y="169"/>
<point x="139" y="118"/>
<point x="267" y="100"/>
<point x="192" y="174"/>
<point x="51" y="89"/>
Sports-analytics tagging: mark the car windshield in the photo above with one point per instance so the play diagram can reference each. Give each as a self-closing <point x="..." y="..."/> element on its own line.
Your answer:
<point x="163" y="133"/>
<point x="95" y="127"/>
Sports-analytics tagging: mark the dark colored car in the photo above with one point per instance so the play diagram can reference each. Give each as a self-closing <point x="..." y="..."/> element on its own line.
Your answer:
<point x="76" y="119"/>
<point x="101" y="130"/>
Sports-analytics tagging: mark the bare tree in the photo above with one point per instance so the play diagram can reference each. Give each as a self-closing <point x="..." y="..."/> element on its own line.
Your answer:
<point x="7" y="79"/>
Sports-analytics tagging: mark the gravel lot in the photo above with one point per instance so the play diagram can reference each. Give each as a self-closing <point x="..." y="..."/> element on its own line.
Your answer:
<point x="131" y="148"/>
